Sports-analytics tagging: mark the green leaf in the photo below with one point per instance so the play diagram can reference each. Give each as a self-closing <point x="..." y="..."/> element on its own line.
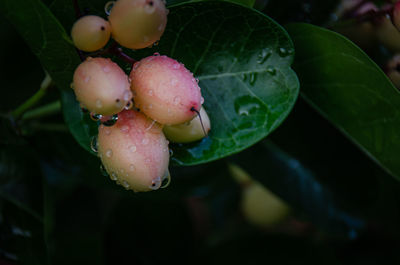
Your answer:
<point x="242" y="59"/>
<point x="340" y="81"/>
<point x="51" y="44"/>
<point x="45" y="36"/>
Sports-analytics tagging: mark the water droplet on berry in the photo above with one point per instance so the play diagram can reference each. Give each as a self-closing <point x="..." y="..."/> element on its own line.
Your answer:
<point x="127" y="95"/>
<point x="132" y="167"/>
<point x="125" y="184"/>
<point x="109" y="153"/>
<point x="103" y="171"/>
<point x="94" y="145"/>
<point x="132" y="148"/>
<point x="109" y="120"/>
<point x="106" y="69"/>
<point x="129" y="105"/>
<point x="166" y="180"/>
<point x="145" y="141"/>
<point x="147" y="160"/>
<point x="99" y="104"/>
<point x="150" y="106"/>
<point x="108" y="6"/>
<point x="176" y="66"/>
<point x="95" y="116"/>
<point x="150" y="92"/>
<point x="107" y="131"/>
<point x="87" y="79"/>
<point x="125" y="129"/>
<point x="174" y="81"/>
<point x="150" y="126"/>
<point x="136" y="65"/>
<point x="155" y="184"/>
<point x="149" y="8"/>
<point x="113" y="176"/>
<point x="177" y="100"/>
<point x="201" y="101"/>
<point x="169" y="112"/>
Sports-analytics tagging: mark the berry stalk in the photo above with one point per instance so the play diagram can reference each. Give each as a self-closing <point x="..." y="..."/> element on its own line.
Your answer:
<point x="32" y="101"/>
<point x="45" y="110"/>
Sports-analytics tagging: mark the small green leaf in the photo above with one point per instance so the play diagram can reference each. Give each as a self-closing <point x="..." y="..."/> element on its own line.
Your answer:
<point x="340" y="81"/>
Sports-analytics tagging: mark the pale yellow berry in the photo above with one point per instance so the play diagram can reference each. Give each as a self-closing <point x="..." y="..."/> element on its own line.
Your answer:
<point x="90" y="33"/>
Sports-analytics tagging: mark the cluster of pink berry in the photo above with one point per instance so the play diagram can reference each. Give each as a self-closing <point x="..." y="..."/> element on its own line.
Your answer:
<point x="159" y="100"/>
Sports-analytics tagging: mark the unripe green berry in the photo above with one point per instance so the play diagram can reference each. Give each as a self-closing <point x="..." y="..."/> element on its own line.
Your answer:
<point x="137" y="24"/>
<point x="134" y="151"/>
<point x="259" y="206"/>
<point x="165" y="90"/>
<point x="190" y="131"/>
<point x="101" y="86"/>
<point x="90" y="33"/>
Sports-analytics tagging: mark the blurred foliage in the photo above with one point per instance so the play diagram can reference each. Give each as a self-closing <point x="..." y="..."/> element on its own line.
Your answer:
<point x="57" y="208"/>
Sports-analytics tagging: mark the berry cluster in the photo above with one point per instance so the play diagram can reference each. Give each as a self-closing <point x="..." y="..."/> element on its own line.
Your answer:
<point x="159" y="100"/>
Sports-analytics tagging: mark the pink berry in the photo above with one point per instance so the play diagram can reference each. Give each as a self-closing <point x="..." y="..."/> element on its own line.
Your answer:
<point x="134" y="151"/>
<point x="165" y="90"/>
<point x="137" y="24"/>
<point x="101" y="86"/>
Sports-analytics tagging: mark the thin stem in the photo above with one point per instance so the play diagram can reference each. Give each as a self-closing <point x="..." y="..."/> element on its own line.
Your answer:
<point x="113" y="49"/>
<point x="53" y="127"/>
<point x="45" y="110"/>
<point x="32" y="101"/>
<point x="125" y="57"/>
<point x="201" y="120"/>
